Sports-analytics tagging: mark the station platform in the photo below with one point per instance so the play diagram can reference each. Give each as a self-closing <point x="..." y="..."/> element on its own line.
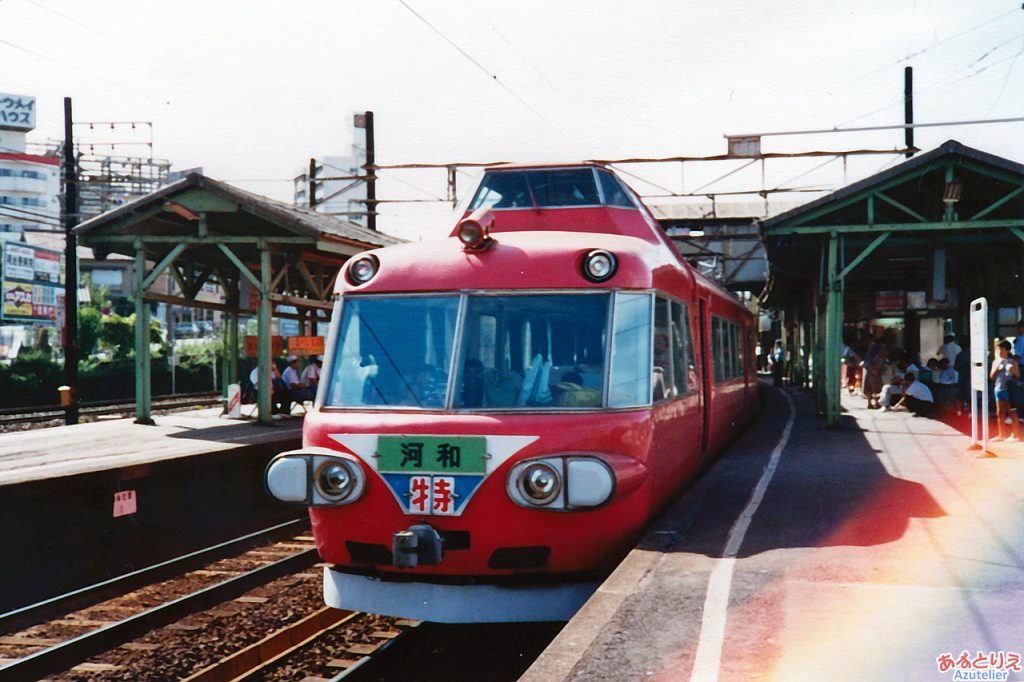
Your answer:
<point x="117" y="443"/>
<point x="878" y="550"/>
<point x="81" y="504"/>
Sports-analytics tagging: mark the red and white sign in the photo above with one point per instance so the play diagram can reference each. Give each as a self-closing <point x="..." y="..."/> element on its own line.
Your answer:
<point x="125" y="503"/>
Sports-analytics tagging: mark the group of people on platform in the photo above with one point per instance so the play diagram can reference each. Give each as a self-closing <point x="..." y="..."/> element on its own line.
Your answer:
<point x="289" y="386"/>
<point x="891" y="379"/>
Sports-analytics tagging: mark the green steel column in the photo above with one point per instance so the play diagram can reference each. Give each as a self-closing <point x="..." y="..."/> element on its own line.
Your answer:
<point x="833" y="334"/>
<point x="263" y="355"/>
<point x="818" y="356"/>
<point x="142" y="386"/>
<point x="231" y="347"/>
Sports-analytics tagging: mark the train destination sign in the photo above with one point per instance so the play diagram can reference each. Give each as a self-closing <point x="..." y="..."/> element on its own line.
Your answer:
<point x="432" y="475"/>
<point x="432" y="454"/>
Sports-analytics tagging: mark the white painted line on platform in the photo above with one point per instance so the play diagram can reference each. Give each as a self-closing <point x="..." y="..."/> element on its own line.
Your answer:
<point x="708" y="659"/>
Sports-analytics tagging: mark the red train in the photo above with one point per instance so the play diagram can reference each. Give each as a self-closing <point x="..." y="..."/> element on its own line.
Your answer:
<point x="502" y="412"/>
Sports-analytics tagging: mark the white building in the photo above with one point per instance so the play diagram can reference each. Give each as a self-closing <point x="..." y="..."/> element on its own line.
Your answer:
<point x="29" y="183"/>
<point x="345" y="197"/>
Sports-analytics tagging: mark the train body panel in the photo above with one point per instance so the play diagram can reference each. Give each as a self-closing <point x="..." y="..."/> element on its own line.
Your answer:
<point x="504" y="411"/>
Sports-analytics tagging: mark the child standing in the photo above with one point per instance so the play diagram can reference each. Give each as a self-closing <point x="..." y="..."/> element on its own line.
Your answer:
<point x="1004" y="368"/>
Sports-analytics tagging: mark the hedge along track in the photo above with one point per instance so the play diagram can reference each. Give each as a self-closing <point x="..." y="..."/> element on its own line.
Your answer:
<point x="63" y="652"/>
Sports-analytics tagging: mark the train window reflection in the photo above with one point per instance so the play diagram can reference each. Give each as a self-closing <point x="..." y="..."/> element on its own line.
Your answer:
<point x="614" y="193"/>
<point x="533" y="351"/>
<point x="394" y="352"/>
<point x="630" y="384"/>
<point x="547" y="188"/>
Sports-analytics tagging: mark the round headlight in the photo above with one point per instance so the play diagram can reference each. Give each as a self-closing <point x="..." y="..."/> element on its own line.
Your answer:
<point x="363" y="269"/>
<point x="599" y="265"/>
<point x="539" y="483"/>
<point x="471" y="233"/>
<point x="335" y="480"/>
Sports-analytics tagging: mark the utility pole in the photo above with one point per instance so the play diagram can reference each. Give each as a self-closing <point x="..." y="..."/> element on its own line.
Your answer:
<point x="312" y="183"/>
<point x="371" y="175"/>
<point x="70" y="400"/>
<point x="908" y="109"/>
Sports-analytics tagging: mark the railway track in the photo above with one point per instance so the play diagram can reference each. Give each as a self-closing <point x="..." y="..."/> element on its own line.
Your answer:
<point x="207" y="619"/>
<point x="19" y="416"/>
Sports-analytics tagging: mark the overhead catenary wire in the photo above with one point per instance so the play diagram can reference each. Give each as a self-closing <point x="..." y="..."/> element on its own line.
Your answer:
<point x="79" y="23"/>
<point x="916" y="53"/>
<point x="17" y="209"/>
<point x="947" y="80"/>
<point x="27" y="219"/>
<point x="492" y="76"/>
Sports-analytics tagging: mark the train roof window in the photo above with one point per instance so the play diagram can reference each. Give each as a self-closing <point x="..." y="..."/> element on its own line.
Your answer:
<point x="545" y="188"/>
<point x="614" y="192"/>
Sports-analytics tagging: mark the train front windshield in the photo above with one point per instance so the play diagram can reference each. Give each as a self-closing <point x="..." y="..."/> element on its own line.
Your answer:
<point x="493" y="352"/>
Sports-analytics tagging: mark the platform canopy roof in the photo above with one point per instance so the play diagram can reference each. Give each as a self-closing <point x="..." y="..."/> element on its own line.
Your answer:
<point x="954" y="193"/>
<point x="202" y="230"/>
<point x="954" y="214"/>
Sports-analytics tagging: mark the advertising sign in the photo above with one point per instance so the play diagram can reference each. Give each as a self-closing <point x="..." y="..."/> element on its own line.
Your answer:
<point x="17" y="112"/>
<point x="306" y="345"/>
<point x="33" y="282"/>
<point x="890" y="300"/>
<point x="252" y="345"/>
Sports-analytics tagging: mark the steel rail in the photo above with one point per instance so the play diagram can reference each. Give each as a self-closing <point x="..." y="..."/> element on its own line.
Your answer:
<point x="39" y="413"/>
<point x="256" y="658"/>
<point x="67" y="654"/>
<point x="108" y="589"/>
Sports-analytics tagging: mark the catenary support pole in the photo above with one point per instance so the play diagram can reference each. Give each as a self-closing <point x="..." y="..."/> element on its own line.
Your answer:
<point x="142" y="387"/>
<point x="908" y="109"/>
<point x="70" y="336"/>
<point x="371" y="175"/>
<point x="833" y="334"/>
<point x="265" y="387"/>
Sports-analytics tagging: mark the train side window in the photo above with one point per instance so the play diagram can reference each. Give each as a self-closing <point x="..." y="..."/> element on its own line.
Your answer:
<point x="663" y="375"/>
<point x="630" y="382"/>
<point x="731" y="350"/>
<point x="682" y="350"/>
<point x="717" y="348"/>
<point x="614" y="194"/>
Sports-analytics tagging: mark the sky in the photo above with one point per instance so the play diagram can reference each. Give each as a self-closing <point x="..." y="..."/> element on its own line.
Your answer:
<point x="251" y="89"/>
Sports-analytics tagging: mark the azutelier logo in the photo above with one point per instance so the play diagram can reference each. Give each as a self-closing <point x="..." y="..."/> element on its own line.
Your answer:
<point x="992" y="665"/>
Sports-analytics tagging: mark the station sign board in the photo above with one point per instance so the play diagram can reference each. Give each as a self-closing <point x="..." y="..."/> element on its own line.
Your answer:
<point x="306" y="345"/>
<point x="17" y="112"/>
<point x="32" y="282"/>
<point x="890" y="300"/>
<point x="252" y="346"/>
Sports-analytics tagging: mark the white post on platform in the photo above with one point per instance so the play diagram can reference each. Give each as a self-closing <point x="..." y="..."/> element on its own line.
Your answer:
<point x="979" y="373"/>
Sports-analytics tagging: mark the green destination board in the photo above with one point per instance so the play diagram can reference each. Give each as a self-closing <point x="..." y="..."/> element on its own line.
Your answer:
<point x="432" y="454"/>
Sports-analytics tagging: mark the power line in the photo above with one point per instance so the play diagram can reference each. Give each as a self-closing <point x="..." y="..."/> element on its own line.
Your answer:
<point x="11" y="207"/>
<point x="78" y="68"/>
<point x="79" y="23"/>
<point x="918" y="53"/>
<point x="26" y="219"/>
<point x="945" y="80"/>
<point x="478" y="65"/>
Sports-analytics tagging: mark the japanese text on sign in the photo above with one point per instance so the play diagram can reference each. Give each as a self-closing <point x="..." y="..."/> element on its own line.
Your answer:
<point x="433" y="454"/>
<point x="17" y="112"/>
